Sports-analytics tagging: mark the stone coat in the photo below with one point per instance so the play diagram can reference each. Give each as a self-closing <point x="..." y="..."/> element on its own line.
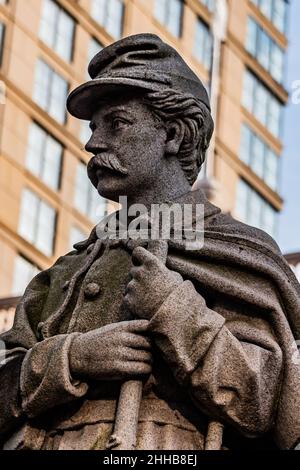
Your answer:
<point x="222" y="341"/>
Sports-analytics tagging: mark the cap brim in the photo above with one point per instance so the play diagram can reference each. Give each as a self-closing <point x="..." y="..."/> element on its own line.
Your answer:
<point x="83" y="101"/>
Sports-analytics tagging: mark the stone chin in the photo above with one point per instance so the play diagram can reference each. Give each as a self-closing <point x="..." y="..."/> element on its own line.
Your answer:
<point x="111" y="185"/>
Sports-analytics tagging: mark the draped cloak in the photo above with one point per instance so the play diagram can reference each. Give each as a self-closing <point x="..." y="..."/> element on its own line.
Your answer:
<point x="238" y="263"/>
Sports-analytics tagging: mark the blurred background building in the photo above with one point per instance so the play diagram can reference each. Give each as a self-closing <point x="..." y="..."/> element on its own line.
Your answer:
<point x="238" y="49"/>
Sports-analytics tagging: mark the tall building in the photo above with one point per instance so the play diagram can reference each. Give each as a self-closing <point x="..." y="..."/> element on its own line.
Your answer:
<point x="237" y="47"/>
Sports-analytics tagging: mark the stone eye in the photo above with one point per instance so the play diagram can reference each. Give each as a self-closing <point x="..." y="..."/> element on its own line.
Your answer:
<point x="117" y="123"/>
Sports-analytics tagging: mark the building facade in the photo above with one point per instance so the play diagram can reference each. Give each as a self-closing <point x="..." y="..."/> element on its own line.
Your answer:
<point x="47" y="202"/>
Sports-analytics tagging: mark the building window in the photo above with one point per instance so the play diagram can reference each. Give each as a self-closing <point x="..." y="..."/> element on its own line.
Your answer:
<point x="261" y="102"/>
<point x="24" y="271"/>
<point x="109" y="14"/>
<point x="37" y="222"/>
<point x="275" y="10"/>
<point x="253" y="209"/>
<point x="259" y="157"/>
<point x="203" y="44"/>
<point x="76" y="235"/>
<point x="209" y="4"/>
<point x="57" y="29"/>
<point x="265" y="50"/>
<point x="2" y="29"/>
<point x="87" y="200"/>
<point x="169" y="13"/>
<point x="50" y="91"/>
<point x="44" y="156"/>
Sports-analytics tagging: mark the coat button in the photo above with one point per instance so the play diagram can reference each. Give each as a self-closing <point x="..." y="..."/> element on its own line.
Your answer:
<point x="92" y="290"/>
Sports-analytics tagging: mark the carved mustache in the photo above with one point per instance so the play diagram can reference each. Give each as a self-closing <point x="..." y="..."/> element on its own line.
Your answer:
<point x="107" y="160"/>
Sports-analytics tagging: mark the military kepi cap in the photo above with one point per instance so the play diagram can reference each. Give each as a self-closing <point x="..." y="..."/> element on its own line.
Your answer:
<point x="143" y="61"/>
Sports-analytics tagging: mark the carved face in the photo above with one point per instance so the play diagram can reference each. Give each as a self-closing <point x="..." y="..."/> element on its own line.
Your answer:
<point x="129" y="147"/>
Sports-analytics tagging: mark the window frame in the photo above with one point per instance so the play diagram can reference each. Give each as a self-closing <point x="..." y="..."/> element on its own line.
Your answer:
<point x="52" y="74"/>
<point x="46" y="137"/>
<point x="163" y="21"/>
<point x="60" y="11"/>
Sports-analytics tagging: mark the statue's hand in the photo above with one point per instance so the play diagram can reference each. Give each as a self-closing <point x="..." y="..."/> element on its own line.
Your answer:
<point x="150" y="285"/>
<point x="114" y="352"/>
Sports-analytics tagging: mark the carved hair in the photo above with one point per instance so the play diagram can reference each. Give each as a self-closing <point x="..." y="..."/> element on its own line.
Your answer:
<point x="169" y="106"/>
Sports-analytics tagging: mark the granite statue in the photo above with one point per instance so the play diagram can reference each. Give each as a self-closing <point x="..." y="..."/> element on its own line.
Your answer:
<point x="196" y="346"/>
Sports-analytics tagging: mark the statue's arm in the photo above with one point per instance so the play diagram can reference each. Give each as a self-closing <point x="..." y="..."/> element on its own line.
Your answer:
<point x="232" y="376"/>
<point x="34" y="375"/>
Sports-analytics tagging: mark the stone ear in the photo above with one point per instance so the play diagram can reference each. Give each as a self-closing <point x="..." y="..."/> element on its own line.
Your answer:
<point x="175" y="135"/>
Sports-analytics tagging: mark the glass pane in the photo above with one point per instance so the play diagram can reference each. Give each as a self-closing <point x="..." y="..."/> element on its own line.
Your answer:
<point x="94" y="48"/>
<point x="174" y="17"/>
<point x="279" y="14"/>
<point x="113" y="21"/>
<point x="251" y="42"/>
<point x="277" y="63"/>
<point x="45" y="229"/>
<point x="28" y="215"/>
<point x="64" y="39"/>
<point x="49" y="22"/>
<point x="274" y="116"/>
<point x="266" y="7"/>
<point x="24" y="271"/>
<point x="264" y="49"/>
<point x="254" y="209"/>
<point x="35" y="150"/>
<point x="242" y="200"/>
<point x="59" y="91"/>
<point x="261" y="103"/>
<point x="245" y="144"/>
<point x="98" y="10"/>
<point x="41" y="93"/>
<point x="248" y="91"/>
<point x="160" y="10"/>
<point x="257" y="162"/>
<point x="52" y="163"/>
<point x="208" y="50"/>
<point x="203" y="44"/>
<point x="210" y="4"/>
<point x="271" y="169"/>
<point x="269" y="219"/>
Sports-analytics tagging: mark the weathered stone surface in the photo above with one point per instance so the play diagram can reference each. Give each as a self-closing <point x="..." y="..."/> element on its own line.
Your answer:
<point x="203" y="339"/>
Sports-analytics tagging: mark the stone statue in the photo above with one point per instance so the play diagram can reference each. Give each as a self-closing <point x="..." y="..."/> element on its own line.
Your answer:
<point x="203" y="338"/>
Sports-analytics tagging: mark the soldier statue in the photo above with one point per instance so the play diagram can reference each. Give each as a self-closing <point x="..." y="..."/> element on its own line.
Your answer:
<point x="196" y="346"/>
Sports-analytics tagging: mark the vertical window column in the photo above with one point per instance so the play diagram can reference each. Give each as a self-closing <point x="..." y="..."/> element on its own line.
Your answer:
<point x="109" y="14"/>
<point x="44" y="156"/>
<point x="57" y="29"/>
<point x="169" y="13"/>
<point x="37" y="222"/>
<point x="50" y="91"/>
<point x="203" y="44"/>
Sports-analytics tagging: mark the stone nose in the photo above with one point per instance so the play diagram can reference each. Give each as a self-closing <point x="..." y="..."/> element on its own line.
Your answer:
<point x="92" y="290"/>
